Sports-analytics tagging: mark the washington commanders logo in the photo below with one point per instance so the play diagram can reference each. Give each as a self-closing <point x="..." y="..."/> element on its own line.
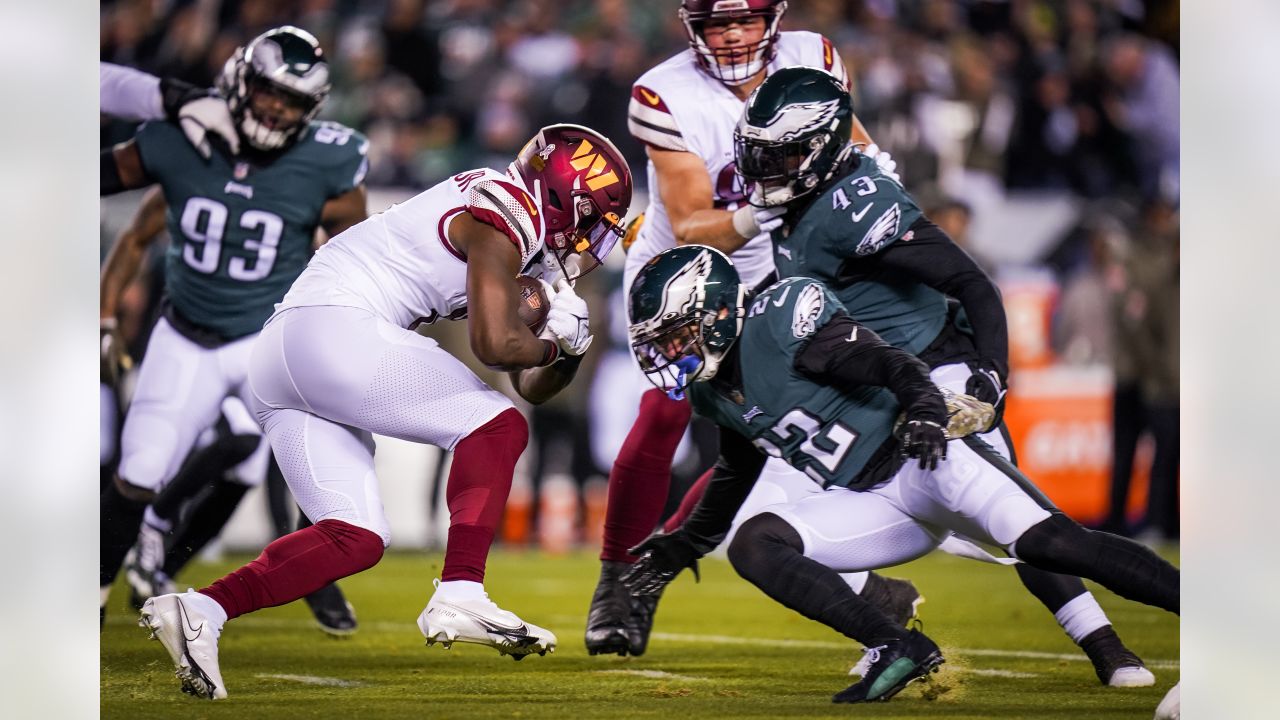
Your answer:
<point x="595" y="165"/>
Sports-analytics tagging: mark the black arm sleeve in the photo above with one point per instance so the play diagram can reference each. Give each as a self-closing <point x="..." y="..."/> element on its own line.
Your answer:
<point x="938" y="262"/>
<point x="175" y="93"/>
<point x="732" y="478"/>
<point x="110" y="182"/>
<point x="848" y="356"/>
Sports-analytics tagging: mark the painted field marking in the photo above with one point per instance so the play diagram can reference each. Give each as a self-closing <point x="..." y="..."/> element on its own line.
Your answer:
<point x="312" y="680"/>
<point x="829" y="645"/>
<point x="653" y="674"/>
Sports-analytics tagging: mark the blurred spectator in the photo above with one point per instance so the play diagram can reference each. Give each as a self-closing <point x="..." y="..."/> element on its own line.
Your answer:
<point x="1082" y="326"/>
<point x="1146" y="312"/>
<point x="1146" y="105"/>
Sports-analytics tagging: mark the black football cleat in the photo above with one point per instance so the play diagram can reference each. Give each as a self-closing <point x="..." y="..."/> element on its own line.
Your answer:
<point x="610" y="612"/>
<point x="640" y="622"/>
<point x="893" y="666"/>
<point x="1115" y="664"/>
<point x="332" y="611"/>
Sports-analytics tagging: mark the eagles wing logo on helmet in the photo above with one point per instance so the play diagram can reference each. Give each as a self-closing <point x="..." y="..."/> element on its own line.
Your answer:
<point x="686" y="290"/>
<point x="811" y="116"/>
<point x="808" y="307"/>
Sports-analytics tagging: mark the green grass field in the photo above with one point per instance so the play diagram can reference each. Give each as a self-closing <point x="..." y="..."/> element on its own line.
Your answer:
<point x="720" y="649"/>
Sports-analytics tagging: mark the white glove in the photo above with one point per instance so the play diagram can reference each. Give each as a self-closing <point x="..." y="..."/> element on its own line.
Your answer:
<point x="568" y="321"/>
<point x="884" y="161"/>
<point x="749" y="220"/>
<point x="204" y="115"/>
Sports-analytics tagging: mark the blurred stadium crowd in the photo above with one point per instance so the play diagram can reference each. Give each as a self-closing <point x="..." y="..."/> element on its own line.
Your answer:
<point x="1070" y="103"/>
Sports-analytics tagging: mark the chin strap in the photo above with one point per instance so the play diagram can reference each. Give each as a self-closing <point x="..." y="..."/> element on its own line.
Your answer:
<point x="686" y="365"/>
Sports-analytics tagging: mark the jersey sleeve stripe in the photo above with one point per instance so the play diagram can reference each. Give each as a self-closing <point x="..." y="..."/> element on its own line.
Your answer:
<point x="507" y="223"/>
<point x="442" y="229"/>
<point x="654" y="127"/>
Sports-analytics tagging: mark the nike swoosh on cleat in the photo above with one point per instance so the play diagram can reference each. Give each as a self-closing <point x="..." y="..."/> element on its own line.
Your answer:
<point x="186" y="625"/>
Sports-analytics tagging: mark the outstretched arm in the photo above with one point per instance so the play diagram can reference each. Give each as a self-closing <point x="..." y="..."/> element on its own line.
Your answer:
<point x="125" y="256"/>
<point x="121" y="169"/>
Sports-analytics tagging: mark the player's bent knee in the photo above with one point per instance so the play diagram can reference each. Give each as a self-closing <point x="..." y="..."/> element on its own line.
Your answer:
<point x="362" y="548"/>
<point x="760" y="543"/>
<point x="1057" y="543"/>
<point x="508" y="426"/>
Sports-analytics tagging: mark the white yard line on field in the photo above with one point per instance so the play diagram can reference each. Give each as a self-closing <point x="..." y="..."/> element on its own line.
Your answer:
<point x="653" y="674"/>
<point x="312" y="680"/>
<point x="830" y="645"/>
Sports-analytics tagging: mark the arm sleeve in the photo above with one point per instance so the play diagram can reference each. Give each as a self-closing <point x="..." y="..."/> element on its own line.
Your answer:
<point x="732" y="478"/>
<point x="938" y="262"/>
<point x="847" y="356"/>
<point x="129" y="94"/>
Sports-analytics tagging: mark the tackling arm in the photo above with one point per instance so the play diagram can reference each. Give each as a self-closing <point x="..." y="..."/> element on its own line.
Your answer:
<point x="938" y="262"/>
<point x="848" y="356"/>
<point x="663" y="556"/>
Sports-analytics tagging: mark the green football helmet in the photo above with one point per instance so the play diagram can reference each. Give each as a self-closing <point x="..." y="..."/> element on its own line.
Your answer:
<point x="286" y="62"/>
<point x="686" y="309"/>
<point x="793" y="134"/>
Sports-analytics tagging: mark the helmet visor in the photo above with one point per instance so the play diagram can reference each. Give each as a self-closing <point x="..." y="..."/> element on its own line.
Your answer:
<point x="594" y="236"/>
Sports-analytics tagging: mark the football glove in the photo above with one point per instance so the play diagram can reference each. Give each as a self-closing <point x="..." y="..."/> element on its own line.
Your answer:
<point x="114" y="357"/>
<point x="987" y="383"/>
<point x="749" y="220"/>
<point x="924" y="440"/>
<point x="662" y="557"/>
<point x="568" y="321"/>
<point x="884" y="161"/>
<point x="199" y="111"/>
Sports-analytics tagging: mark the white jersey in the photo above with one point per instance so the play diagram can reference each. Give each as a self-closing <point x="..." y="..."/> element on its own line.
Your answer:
<point x="400" y="265"/>
<point x="677" y="106"/>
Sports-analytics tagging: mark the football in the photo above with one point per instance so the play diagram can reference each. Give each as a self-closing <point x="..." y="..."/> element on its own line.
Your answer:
<point x="534" y="303"/>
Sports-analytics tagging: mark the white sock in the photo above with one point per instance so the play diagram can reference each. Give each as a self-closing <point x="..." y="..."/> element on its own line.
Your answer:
<point x="206" y="606"/>
<point x="151" y="518"/>
<point x="1081" y="616"/>
<point x="856" y="580"/>
<point x="460" y="589"/>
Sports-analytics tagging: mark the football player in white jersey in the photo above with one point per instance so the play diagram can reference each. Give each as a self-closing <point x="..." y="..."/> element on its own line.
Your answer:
<point x="684" y="110"/>
<point x="337" y="362"/>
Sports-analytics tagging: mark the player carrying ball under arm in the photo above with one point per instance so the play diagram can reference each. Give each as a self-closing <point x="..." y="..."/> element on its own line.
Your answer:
<point x="795" y="377"/>
<point x="336" y="363"/>
<point x="684" y="111"/>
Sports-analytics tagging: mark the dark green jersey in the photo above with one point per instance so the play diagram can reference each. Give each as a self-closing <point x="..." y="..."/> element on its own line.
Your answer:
<point x="835" y="240"/>
<point x="242" y="233"/>
<point x="829" y="434"/>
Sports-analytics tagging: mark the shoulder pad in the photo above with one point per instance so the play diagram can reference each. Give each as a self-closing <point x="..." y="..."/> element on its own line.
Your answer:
<point x="506" y="206"/>
<point x="651" y="122"/>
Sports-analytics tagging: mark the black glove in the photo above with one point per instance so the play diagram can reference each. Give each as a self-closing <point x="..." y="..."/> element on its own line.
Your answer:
<point x="988" y="384"/>
<point x="662" y="557"/>
<point x="925" y="440"/>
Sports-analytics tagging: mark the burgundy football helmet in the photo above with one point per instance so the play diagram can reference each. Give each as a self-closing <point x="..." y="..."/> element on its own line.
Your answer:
<point x="583" y="186"/>
<point x="696" y="13"/>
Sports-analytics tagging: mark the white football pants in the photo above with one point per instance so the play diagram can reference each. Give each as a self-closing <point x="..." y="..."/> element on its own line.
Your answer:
<point x="180" y="392"/>
<point x="324" y="378"/>
<point x="781" y="486"/>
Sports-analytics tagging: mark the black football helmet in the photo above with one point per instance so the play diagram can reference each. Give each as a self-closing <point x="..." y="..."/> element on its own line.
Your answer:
<point x="686" y="309"/>
<point x="793" y="134"/>
<point x="287" y="61"/>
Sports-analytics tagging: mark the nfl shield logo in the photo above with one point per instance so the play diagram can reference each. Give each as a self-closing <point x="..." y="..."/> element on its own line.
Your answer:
<point x="242" y="169"/>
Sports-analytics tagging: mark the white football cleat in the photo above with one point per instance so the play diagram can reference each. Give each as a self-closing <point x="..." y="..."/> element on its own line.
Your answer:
<point x="191" y="639"/>
<point x="1170" y="708"/>
<point x="478" y="620"/>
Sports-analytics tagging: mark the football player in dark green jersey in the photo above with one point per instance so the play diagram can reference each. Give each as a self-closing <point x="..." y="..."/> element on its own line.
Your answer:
<point x="857" y="230"/>
<point x="792" y="375"/>
<point x="243" y="227"/>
